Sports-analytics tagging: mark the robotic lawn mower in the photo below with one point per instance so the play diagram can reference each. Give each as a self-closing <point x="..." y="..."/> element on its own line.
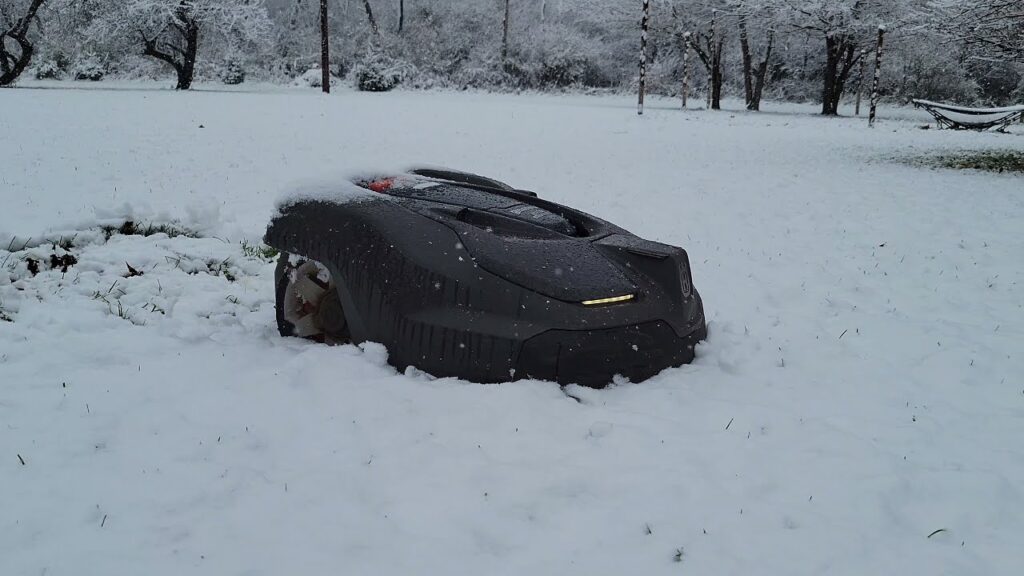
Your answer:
<point x="460" y="275"/>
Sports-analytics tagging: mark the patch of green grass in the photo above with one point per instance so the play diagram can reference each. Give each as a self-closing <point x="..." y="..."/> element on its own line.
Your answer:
<point x="131" y="228"/>
<point x="259" y="251"/>
<point x="221" y="268"/>
<point x="65" y="243"/>
<point x="987" y="160"/>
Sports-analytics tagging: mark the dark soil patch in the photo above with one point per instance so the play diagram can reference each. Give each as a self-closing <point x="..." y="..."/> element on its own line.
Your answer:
<point x="63" y="262"/>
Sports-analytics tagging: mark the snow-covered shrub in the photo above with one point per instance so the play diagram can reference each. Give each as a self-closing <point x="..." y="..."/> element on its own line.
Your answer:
<point x="925" y="69"/>
<point x="232" y="73"/>
<point x="940" y="84"/>
<point x="997" y="81"/>
<point x="49" y="69"/>
<point x="556" y="56"/>
<point x="379" y="72"/>
<point x="664" y="77"/>
<point x="482" y="75"/>
<point x="137" y="67"/>
<point x="312" y="78"/>
<point x="564" y="68"/>
<point x="443" y="38"/>
<point x="89" y="68"/>
<point x="1018" y="94"/>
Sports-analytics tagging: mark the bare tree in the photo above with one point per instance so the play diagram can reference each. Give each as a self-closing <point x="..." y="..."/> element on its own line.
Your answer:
<point x="987" y="28"/>
<point x="177" y="44"/>
<point x="171" y="30"/>
<point x="846" y="26"/>
<point x="754" y="78"/>
<point x="14" y="60"/>
<point x="709" y="46"/>
<point x="370" y="18"/>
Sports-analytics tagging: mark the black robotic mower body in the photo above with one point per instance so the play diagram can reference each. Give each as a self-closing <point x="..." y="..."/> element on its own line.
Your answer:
<point x="460" y="275"/>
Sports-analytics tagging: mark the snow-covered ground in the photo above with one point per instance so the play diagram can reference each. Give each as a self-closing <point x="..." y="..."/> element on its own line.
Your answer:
<point x="857" y="409"/>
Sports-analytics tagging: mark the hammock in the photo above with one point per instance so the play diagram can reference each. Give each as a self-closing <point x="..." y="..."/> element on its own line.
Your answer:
<point x="963" y="118"/>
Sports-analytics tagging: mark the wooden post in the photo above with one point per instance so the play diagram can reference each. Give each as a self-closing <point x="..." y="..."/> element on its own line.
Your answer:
<point x="325" y="49"/>
<point x="644" y="23"/>
<point x="860" y="80"/>
<point x="878" y="75"/>
<point x="686" y="67"/>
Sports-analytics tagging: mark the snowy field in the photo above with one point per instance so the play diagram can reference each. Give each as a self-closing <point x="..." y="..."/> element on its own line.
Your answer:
<point x="858" y="408"/>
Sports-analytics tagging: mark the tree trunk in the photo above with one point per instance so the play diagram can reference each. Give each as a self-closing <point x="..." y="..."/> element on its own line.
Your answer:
<point x="711" y="57"/>
<point x="686" y="67"/>
<point x="829" y="100"/>
<point x="5" y="66"/>
<point x="644" y="23"/>
<point x="840" y="55"/>
<point x="504" y="33"/>
<point x="761" y="75"/>
<point x="878" y="76"/>
<point x="401" y="15"/>
<point x="369" y="16"/>
<point x="325" y="49"/>
<point x="748" y="72"/>
<point x="188" y="30"/>
<point x="860" y="81"/>
<point x="717" y="76"/>
<point x="188" y="69"/>
<point x="12" y="66"/>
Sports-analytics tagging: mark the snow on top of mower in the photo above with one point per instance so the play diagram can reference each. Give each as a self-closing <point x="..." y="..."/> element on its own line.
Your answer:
<point x="334" y="191"/>
<point x="368" y="185"/>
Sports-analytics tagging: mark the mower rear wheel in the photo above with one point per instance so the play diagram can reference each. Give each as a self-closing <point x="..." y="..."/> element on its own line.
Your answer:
<point x="307" y="301"/>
